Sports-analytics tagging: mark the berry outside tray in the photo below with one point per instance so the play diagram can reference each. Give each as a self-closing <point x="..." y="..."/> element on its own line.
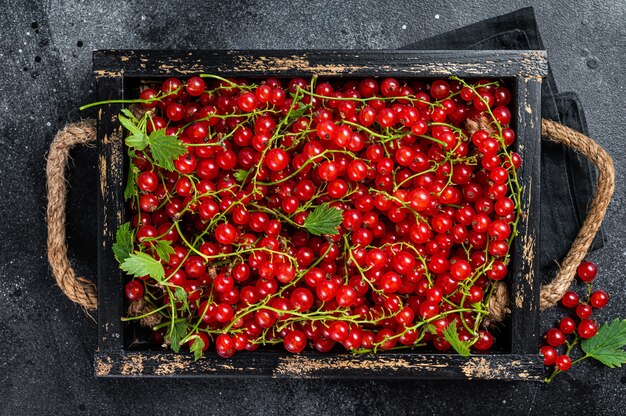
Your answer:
<point x="116" y="71"/>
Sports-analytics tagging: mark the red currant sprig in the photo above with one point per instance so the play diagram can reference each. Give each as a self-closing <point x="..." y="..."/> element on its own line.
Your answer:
<point x="575" y="327"/>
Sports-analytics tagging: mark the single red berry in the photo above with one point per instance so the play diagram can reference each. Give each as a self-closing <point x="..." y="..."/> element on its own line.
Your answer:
<point x="555" y="337"/>
<point x="587" y="329"/>
<point x="226" y="233"/>
<point x="570" y="299"/>
<point x="584" y="311"/>
<point x="549" y="355"/>
<point x="563" y="362"/>
<point x="567" y="325"/>
<point x="277" y="159"/>
<point x="295" y="341"/>
<point x="195" y="86"/>
<point x="225" y="346"/>
<point x="133" y="290"/>
<point x="587" y="271"/>
<point x="599" y="299"/>
<point x="485" y="341"/>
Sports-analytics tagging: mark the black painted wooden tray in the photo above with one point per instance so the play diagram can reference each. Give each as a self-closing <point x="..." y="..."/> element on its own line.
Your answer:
<point x="116" y="71"/>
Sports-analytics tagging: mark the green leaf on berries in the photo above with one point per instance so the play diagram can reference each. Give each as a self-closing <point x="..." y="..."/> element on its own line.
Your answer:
<point x="136" y="142"/>
<point x="131" y="189"/>
<point x="176" y="334"/>
<point x="452" y="336"/>
<point x="140" y="264"/>
<point x="241" y="175"/>
<point x="123" y="246"/>
<point x="165" y="149"/>
<point x="164" y="249"/>
<point x="431" y="329"/>
<point x="296" y="113"/>
<point x="130" y="115"/>
<point x="196" y="347"/>
<point x="137" y="139"/>
<point x="608" y="344"/>
<point x="323" y="220"/>
<point x="180" y="294"/>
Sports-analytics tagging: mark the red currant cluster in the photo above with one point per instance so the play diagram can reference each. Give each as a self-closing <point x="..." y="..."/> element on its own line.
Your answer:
<point x="364" y="213"/>
<point x="576" y="327"/>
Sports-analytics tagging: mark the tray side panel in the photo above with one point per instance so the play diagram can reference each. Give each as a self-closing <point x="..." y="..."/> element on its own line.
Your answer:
<point x="468" y="63"/>
<point x="315" y="365"/>
<point x="524" y="287"/>
<point x="110" y="214"/>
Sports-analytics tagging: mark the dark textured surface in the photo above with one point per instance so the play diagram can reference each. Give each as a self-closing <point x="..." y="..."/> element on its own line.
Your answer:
<point x="45" y="61"/>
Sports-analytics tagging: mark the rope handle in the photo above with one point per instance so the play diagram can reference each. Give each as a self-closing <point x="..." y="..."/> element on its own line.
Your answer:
<point x="83" y="291"/>
<point x="552" y="292"/>
<point x="77" y="289"/>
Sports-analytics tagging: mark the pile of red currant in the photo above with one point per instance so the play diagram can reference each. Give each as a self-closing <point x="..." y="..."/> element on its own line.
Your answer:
<point x="365" y="213"/>
<point x="577" y="327"/>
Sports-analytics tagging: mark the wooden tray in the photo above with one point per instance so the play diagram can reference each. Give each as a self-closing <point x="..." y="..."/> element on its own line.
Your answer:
<point x="117" y="72"/>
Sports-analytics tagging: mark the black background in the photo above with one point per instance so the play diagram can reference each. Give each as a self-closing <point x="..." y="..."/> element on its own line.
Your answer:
<point x="46" y="342"/>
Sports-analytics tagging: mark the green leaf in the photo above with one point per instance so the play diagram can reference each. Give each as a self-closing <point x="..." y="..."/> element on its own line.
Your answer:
<point x="296" y="113"/>
<point x="130" y="115"/>
<point x="431" y="329"/>
<point x="323" y="220"/>
<point x="136" y="142"/>
<point x="176" y="334"/>
<point x="452" y="336"/>
<point x="165" y="149"/>
<point x="137" y="139"/>
<point x="131" y="189"/>
<point x="180" y="294"/>
<point x="123" y="246"/>
<point x="164" y="249"/>
<point x="130" y="126"/>
<point x="196" y="347"/>
<point x="140" y="264"/>
<point x="607" y="346"/>
<point x="241" y="175"/>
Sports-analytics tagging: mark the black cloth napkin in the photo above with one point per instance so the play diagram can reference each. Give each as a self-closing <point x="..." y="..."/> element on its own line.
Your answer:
<point x="567" y="179"/>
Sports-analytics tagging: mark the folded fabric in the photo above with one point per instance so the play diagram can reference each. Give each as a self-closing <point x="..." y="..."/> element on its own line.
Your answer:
<point x="567" y="179"/>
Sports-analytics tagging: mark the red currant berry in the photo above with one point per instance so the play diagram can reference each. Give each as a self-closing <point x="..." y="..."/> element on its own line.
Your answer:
<point x="599" y="299"/>
<point x="567" y="325"/>
<point x="133" y="290"/>
<point x="587" y="271"/>
<point x="563" y="362"/>
<point x="587" y="329"/>
<point x="295" y="341"/>
<point x="584" y="311"/>
<point x="549" y="355"/>
<point x="555" y="337"/>
<point x="570" y="299"/>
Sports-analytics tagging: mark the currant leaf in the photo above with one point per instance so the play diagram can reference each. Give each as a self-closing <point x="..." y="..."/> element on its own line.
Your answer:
<point x="431" y="329"/>
<point x="176" y="333"/>
<point x="197" y="347"/>
<point x="164" y="249"/>
<point x="452" y="336"/>
<point x="608" y="344"/>
<point x="323" y="220"/>
<point x="123" y="246"/>
<point x="180" y="294"/>
<point x="137" y="139"/>
<point x="241" y="175"/>
<point x="297" y="113"/>
<point x="165" y="149"/>
<point x="130" y="115"/>
<point x="131" y="183"/>
<point x="140" y="264"/>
